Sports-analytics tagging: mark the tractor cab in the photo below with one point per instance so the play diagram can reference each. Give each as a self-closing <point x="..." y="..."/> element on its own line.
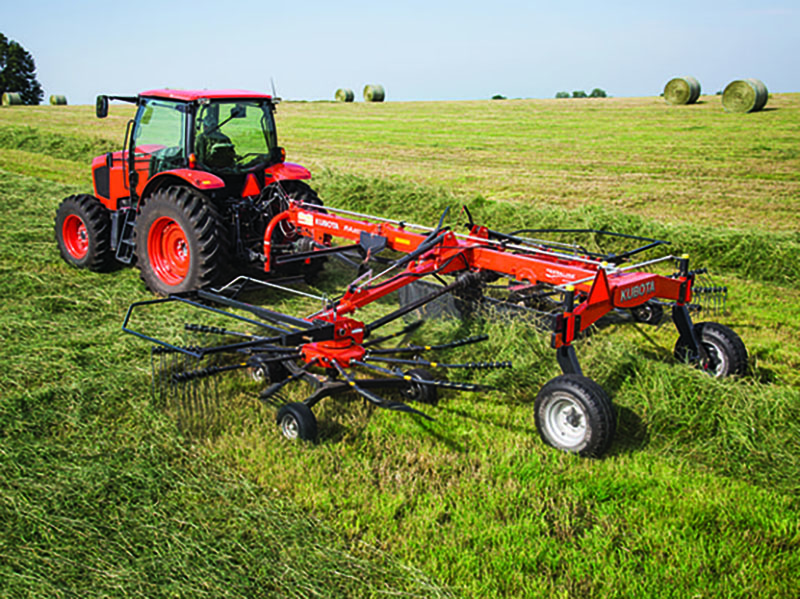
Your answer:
<point x="228" y="134"/>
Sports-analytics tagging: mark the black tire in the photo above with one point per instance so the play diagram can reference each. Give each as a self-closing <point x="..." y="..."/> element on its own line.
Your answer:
<point x="181" y="244"/>
<point x="83" y="233"/>
<point x="427" y="394"/>
<point x="297" y="422"/>
<point x="648" y="313"/>
<point x="574" y="414"/>
<point x="285" y="238"/>
<point x="727" y="355"/>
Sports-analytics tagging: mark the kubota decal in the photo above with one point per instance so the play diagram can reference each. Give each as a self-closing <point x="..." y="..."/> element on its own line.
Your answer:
<point x="634" y="291"/>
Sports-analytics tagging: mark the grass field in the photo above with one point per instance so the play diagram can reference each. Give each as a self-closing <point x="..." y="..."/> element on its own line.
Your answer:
<point x="103" y="494"/>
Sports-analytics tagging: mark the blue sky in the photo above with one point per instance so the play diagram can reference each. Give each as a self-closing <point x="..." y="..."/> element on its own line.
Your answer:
<point x="417" y="50"/>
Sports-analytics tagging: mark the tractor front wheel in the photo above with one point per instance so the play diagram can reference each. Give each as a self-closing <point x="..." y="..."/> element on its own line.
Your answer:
<point x="83" y="232"/>
<point x="180" y="241"/>
<point x="574" y="414"/>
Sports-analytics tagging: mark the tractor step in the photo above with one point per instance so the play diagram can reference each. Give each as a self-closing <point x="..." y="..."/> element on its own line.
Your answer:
<point x="125" y="244"/>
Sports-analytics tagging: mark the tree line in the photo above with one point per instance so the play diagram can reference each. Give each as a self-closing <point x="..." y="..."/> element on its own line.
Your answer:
<point x="18" y="72"/>
<point x="595" y="93"/>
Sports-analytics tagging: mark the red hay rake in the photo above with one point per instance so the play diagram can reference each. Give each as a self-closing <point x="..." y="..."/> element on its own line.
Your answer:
<point x="335" y="353"/>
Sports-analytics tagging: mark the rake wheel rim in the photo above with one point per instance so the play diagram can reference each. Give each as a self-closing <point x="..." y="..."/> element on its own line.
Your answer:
<point x="566" y="419"/>
<point x="290" y="427"/>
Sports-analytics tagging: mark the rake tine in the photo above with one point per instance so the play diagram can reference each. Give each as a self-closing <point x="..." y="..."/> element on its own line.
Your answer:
<point x="396" y="406"/>
<point x="472" y="387"/>
<point x="203" y="328"/>
<point x="275" y="387"/>
<point x="410" y="328"/>
<point x="421" y="362"/>
<point x="422" y="348"/>
<point x="202" y="373"/>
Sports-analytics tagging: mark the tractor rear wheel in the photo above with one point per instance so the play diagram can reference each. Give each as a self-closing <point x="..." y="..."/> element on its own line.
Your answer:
<point x="727" y="355"/>
<point x="574" y="414"/>
<point x="83" y="232"/>
<point x="180" y="241"/>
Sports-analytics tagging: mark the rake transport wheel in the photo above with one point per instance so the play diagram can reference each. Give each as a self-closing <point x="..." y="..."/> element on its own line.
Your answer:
<point x="416" y="391"/>
<point x="83" y="232"/>
<point x="297" y="422"/>
<point x="180" y="241"/>
<point x="727" y="355"/>
<point x="574" y="414"/>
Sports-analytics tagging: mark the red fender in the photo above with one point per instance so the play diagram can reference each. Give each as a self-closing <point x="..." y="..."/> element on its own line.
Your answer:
<point x="201" y="180"/>
<point x="284" y="171"/>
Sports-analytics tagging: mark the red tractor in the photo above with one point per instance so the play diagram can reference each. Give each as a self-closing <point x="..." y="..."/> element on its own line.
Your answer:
<point x="189" y="197"/>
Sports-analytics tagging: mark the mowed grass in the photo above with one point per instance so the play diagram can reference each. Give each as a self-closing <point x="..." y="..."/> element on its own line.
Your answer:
<point x="698" y="496"/>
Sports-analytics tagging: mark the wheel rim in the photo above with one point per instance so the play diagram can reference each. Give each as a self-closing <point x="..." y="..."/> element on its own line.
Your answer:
<point x="717" y="363"/>
<point x="75" y="236"/>
<point x="168" y="250"/>
<point x="565" y="421"/>
<point x="290" y="427"/>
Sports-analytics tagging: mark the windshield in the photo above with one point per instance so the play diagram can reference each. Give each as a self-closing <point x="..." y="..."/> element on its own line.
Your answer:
<point x="235" y="136"/>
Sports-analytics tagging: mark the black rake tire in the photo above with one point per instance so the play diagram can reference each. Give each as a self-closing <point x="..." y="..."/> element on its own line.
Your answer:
<point x="83" y="233"/>
<point x="727" y="354"/>
<point x="296" y="421"/>
<point x="420" y="392"/>
<point x="574" y="414"/>
<point x="181" y="243"/>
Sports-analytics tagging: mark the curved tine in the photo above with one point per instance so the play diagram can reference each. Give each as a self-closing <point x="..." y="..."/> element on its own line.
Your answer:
<point x="430" y="364"/>
<point x="397" y="406"/>
<point x="275" y="387"/>
<point x="421" y="348"/>
<point x="472" y="387"/>
<point x="410" y="328"/>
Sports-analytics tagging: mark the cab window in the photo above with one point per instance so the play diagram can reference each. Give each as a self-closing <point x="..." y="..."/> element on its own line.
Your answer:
<point x="160" y="134"/>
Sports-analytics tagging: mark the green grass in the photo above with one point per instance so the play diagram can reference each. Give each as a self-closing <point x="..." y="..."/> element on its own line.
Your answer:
<point x="104" y="494"/>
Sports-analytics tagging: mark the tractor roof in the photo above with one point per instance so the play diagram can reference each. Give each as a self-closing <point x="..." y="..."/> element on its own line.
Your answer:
<point x="190" y="95"/>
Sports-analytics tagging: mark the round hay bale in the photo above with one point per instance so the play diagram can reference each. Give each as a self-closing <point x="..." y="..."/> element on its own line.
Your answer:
<point x="682" y="90"/>
<point x="58" y="100"/>
<point x="374" y="93"/>
<point x="744" y="95"/>
<point x="12" y="99"/>
<point x="345" y="95"/>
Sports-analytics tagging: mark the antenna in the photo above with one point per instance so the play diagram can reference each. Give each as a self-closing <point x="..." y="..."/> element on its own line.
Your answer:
<point x="275" y="97"/>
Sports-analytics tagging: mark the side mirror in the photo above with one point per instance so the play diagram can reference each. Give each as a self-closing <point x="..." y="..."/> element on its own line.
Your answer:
<point x="101" y="107"/>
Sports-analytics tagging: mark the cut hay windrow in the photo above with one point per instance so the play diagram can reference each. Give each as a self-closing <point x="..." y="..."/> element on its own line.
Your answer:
<point x="682" y="90"/>
<point x="745" y="95"/>
<point x="12" y="99"/>
<point x="374" y="93"/>
<point x="344" y="95"/>
<point x="57" y="100"/>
